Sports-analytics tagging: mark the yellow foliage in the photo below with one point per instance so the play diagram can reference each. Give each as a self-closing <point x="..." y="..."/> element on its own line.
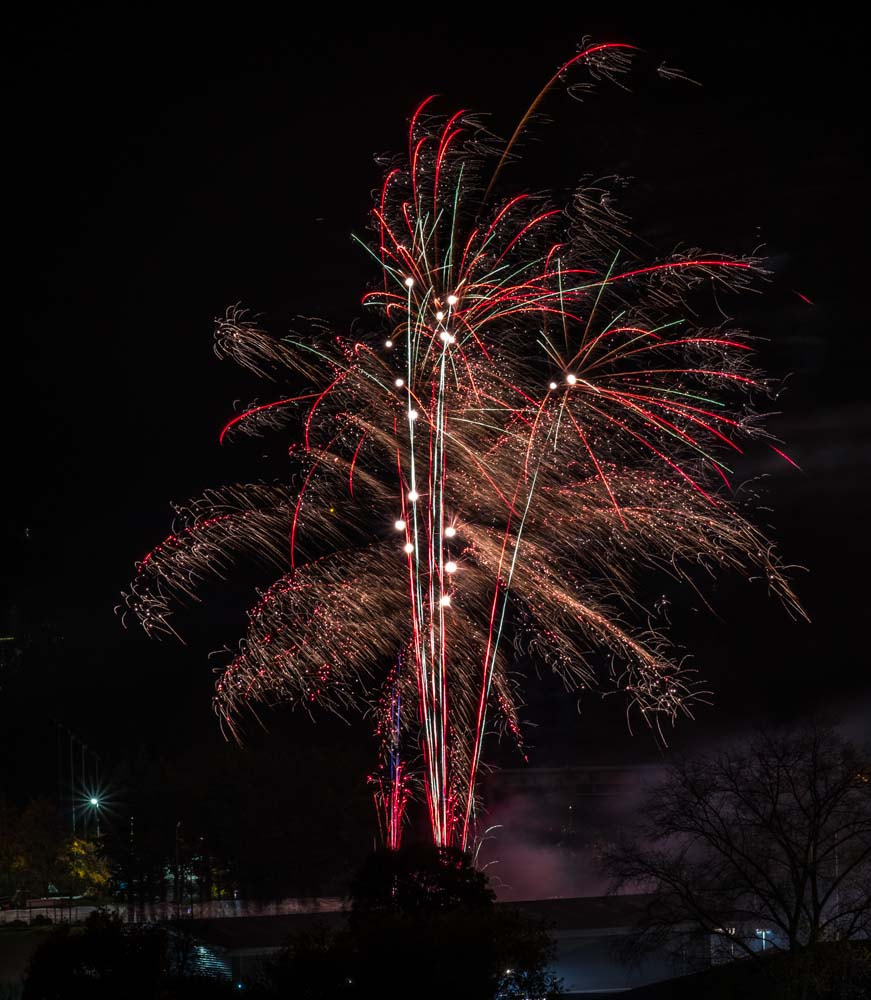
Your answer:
<point x="85" y="865"/>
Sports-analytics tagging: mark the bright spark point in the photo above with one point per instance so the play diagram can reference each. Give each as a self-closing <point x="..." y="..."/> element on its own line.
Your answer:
<point x="571" y="379"/>
<point x="409" y="282"/>
<point x="448" y="338"/>
<point x="413" y="495"/>
<point x="452" y="300"/>
<point x="399" y="525"/>
<point x="445" y="600"/>
<point x="412" y="414"/>
<point x="94" y="802"/>
<point x="388" y="343"/>
<point x="450" y="531"/>
<point x="399" y="383"/>
<point x="450" y="567"/>
<point x="440" y="316"/>
<point x="409" y="548"/>
<point x="552" y="385"/>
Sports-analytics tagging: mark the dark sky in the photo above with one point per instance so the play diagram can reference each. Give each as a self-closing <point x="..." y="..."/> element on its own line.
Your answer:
<point x="162" y="168"/>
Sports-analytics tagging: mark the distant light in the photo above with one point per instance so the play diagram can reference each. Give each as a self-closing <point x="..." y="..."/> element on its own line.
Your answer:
<point x="388" y="343"/>
<point x="399" y="525"/>
<point x="399" y="383"/>
<point x="552" y="386"/>
<point x="409" y="548"/>
<point x="413" y="495"/>
<point x="440" y="315"/>
<point x="412" y="414"/>
<point x="450" y="531"/>
<point x="452" y="300"/>
<point x="94" y="801"/>
<point x="445" y="600"/>
<point x="448" y="338"/>
<point x="409" y="282"/>
<point x="450" y="567"/>
<point x="571" y="379"/>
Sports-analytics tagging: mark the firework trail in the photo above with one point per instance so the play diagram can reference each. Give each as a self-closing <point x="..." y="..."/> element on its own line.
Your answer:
<point x="391" y="780"/>
<point x="537" y="424"/>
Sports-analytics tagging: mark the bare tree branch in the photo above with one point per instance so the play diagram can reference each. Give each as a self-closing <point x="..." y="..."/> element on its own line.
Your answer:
<point x="770" y="837"/>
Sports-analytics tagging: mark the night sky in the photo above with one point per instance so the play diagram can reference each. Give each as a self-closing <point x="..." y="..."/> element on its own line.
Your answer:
<point x="161" y="169"/>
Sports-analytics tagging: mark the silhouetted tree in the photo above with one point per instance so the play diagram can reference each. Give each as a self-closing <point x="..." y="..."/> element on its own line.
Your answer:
<point x="423" y="923"/>
<point x="419" y="879"/>
<point x="762" y="846"/>
<point x="105" y="960"/>
<point x="318" y="964"/>
<point x="110" y="960"/>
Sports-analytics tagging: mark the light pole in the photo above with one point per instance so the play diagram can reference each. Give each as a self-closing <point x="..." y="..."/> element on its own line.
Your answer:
<point x="88" y="777"/>
<point x="177" y="872"/>
<point x="95" y="803"/>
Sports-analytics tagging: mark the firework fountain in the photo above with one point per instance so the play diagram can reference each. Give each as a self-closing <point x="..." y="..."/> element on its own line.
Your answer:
<point x="536" y="423"/>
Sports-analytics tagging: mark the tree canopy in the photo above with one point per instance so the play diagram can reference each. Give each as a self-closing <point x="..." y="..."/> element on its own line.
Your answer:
<point x="424" y="923"/>
<point x="37" y="855"/>
<point x="760" y="846"/>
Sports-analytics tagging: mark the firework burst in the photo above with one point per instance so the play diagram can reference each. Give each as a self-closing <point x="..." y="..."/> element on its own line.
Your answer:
<point x="537" y="423"/>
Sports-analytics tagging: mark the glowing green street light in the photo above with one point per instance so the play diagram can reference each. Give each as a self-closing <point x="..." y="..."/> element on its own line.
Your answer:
<point x="95" y="804"/>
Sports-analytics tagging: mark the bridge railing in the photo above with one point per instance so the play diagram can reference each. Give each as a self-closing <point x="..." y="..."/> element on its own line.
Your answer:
<point x="64" y="911"/>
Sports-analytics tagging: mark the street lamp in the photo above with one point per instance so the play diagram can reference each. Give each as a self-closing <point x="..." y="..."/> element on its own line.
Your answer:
<point x="94" y="803"/>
